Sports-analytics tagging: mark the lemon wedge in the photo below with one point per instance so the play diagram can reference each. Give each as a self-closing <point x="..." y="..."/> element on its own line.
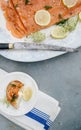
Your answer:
<point x="80" y="16"/>
<point x="59" y="32"/>
<point x="42" y="17"/>
<point x="27" y="94"/>
<point x="70" y="3"/>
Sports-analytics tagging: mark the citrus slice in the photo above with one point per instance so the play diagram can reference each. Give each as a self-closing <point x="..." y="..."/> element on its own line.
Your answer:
<point x="80" y="16"/>
<point x="59" y="32"/>
<point x="42" y="17"/>
<point x="70" y="3"/>
<point x="27" y="94"/>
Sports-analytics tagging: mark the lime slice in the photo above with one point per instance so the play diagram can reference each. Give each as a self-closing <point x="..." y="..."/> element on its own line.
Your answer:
<point x="70" y="3"/>
<point x="80" y="16"/>
<point x="42" y="17"/>
<point x="59" y="32"/>
<point x="27" y="94"/>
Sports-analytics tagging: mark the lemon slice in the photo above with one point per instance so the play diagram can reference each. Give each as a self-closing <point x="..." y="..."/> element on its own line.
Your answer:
<point x="27" y="94"/>
<point x="59" y="32"/>
<point x="70" y="3"/>
<point x="42" y="17"/>
<point x="80" y="16"/>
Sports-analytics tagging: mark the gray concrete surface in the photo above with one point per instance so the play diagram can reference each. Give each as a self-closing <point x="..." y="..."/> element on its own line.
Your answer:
<point x="59" y="77"/>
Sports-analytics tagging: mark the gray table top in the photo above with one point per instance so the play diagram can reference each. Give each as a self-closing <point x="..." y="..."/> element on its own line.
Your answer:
<point x="60" y="78"/>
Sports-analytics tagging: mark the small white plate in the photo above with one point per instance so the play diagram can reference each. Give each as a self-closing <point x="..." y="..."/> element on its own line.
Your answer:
<point x="25" y="106"/>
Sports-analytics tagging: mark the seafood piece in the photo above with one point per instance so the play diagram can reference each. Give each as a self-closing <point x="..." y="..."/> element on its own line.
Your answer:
<point x="20" y="14"/>
<point x="13" y="93"/>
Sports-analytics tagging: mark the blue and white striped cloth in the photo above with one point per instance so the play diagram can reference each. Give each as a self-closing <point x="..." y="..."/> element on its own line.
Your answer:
<point x="41" y="116"/>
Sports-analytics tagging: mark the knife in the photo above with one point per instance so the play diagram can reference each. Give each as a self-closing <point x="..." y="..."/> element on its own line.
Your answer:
<point x="35" y="46"/>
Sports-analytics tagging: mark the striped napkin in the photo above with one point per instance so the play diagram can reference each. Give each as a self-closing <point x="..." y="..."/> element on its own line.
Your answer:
<point x="41" y="116"/>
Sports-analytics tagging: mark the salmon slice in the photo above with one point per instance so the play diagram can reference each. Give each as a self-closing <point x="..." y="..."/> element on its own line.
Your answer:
<point x="12" y="92"/>
<point x="14" y="24"/>
<point x="20" y="16"/>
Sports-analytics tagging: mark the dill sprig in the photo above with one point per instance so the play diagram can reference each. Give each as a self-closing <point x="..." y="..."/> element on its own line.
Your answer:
<point x="26" y="2"/>
<point x="47" y="7"/>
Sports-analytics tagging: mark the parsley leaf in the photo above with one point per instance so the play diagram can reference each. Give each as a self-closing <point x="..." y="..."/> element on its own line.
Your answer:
<point x="47" y="7"/>
<point x="26" y="2"/>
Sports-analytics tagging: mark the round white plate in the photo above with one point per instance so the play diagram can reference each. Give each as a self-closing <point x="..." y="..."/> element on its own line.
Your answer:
<point x="73" y="40"/>
<point x="25" y="106"/>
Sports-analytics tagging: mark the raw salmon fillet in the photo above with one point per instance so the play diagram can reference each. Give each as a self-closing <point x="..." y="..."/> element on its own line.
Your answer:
<point x="20" y="16"/>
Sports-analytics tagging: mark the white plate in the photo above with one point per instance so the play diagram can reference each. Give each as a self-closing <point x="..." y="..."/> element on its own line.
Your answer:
<point x="73" y="40"/>
<point x="24" y="106"/>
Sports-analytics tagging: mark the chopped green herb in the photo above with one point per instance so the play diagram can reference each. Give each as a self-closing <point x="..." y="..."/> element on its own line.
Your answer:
<point x="14" y="97"/>
<point x="62" y="22"/>
<point x="47" y="7"/>
<point x="64" y="27"/>
<point x="38" y="36"/>
<point x="71" y="23"/>
<point x="26" y="2"/>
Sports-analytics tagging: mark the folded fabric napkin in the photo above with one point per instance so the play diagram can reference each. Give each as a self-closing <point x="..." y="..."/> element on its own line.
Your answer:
<point x="41" y="116"/>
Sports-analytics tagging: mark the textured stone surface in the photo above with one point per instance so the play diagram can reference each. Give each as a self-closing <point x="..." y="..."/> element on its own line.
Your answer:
<point x="59" y="77"/>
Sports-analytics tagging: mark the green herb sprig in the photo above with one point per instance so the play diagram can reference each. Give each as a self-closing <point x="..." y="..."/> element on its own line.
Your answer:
<point x="47" y="7"/>
<point x="26" y="2"/>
